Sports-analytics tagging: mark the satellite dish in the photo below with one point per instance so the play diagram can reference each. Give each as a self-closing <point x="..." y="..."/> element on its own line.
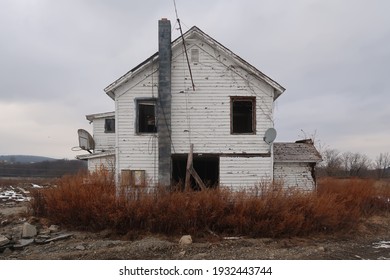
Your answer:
<point x="86" y="141"/>
<point x="270" y="135"/>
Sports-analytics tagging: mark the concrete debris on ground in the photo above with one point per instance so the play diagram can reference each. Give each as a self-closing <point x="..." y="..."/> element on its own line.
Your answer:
<point x="80" y="247"/>
<point x="27" y="234"/>
<point x="11" y="194"/>
<point x="29" y="230"/>
<point x="23" y="243"/>
<point x="54" y="228"/>
<point x="382" y="245"/>
<point x="4" y="240"/>
<point x="185" y="240"/>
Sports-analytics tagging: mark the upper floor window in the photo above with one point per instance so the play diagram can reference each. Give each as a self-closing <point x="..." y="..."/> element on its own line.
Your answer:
<point x="109" y="126"/>
<point x="242" y="115"/>
<point x="146" y="116"/>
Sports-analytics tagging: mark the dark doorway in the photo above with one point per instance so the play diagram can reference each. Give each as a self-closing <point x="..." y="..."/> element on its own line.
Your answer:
<point x="207" y="167"/>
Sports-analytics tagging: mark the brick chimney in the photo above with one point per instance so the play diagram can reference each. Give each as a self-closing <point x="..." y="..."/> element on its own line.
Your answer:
<point x="164" y="103"/>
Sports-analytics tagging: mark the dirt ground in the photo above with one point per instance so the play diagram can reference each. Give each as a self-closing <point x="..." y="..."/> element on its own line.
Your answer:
<point x="370" y="241"/>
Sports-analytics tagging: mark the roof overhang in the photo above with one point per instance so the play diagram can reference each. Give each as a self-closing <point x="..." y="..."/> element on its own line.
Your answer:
<point x="96" y="155"/>
<point x="92" y="117"/>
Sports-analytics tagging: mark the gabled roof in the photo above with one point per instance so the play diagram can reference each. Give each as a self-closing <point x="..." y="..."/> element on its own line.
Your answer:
<point x="195" y="31"/>
<point x="296" y="152"/>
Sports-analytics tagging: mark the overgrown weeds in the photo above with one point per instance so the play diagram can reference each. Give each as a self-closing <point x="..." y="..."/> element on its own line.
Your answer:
<point x="91" y="203"/>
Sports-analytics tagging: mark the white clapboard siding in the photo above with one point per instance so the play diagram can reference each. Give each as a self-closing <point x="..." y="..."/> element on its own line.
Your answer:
<point x="294" y="174"/>
<point x="107" y="162"/>
<point x="136" y="152"/>
<point x="103" y="141"/>
<point x="240" y="173"/>
<point x="201" y="117"/>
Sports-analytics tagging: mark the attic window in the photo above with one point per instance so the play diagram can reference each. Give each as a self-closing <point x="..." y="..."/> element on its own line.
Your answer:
<point x="146" y="116"/>
<point x="109" y="126"/>
<point x="195" y="55"/>
<point x="243" y="115"/>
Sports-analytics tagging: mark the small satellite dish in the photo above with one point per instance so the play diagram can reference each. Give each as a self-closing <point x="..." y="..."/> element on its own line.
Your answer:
<point x="270" y="135"/>
<point x="86" y="141"/>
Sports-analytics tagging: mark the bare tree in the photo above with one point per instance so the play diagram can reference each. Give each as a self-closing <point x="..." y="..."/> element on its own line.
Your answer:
<point x="331" y="162"/>
<point x="355" y="164"/>
<point x="382" y="162"/>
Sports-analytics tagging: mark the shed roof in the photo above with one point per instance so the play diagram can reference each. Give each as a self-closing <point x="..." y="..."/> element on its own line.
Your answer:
<point x="100" y="116"/>
<point x="195" y="31"/>
<point x="96" y="155"/>
<point x="296" y="152"/>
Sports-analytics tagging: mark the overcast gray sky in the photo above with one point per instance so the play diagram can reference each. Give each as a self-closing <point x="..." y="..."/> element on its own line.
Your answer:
<point x="333" y="58"/>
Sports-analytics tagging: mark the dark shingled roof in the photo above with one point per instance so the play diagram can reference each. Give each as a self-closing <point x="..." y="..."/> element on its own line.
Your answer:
<point x="296" y="152"/>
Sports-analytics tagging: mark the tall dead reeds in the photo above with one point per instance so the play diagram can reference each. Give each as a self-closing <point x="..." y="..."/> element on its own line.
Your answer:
<point x="90" y="203"/>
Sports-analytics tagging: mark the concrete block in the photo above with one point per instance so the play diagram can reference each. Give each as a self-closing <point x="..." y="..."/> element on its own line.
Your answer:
<point x="185" y="240"/>
<point x="28" y="230"/>
<point x="3" y="240"/>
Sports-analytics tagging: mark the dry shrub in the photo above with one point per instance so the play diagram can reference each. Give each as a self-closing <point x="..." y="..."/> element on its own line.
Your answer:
<point x="355" y="193"/>
<point x="81" y="201"/>
<point x="92" y="204"/>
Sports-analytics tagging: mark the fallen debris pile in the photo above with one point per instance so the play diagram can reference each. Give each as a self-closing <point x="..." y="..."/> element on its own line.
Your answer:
<point x="11" y="195"/>
<point x="27" y="234"/>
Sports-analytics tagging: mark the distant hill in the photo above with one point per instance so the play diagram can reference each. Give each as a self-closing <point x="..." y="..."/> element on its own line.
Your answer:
<point x="24" y="159"/>
<point x="46" y="167"/>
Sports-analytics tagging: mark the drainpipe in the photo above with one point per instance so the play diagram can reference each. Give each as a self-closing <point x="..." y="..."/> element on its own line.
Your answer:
<point x="117" y="163"/>
<point x="164" y="103"/>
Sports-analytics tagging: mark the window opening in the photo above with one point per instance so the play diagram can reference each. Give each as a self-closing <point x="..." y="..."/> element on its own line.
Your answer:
<point x="243" y="115"/>
<point x="109" y="126"/>
<point x="146" y="117"/>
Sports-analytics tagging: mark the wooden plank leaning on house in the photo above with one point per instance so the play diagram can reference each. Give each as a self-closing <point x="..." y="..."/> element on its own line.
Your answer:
<point x="191" y="171"/>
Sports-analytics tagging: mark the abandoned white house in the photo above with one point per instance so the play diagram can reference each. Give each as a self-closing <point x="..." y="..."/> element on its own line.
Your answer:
<point x="194" y="92"/>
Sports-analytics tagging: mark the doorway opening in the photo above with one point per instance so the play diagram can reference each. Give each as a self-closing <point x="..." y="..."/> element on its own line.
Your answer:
<point x="207" y="167"/>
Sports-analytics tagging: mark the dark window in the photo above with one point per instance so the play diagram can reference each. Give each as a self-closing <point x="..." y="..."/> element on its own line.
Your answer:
<point x="146" y="116"/>
<point x="109" y="126"/>
<point x="243" y="115"/>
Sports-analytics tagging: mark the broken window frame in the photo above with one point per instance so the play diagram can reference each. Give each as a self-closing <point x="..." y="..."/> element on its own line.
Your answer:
<point x="109" y="125"/>
<point x="138" y="122"/>
<point x="233" y="119"/>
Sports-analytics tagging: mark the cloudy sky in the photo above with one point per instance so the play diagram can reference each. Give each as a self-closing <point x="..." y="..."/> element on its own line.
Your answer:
<point x="333" y="58"/>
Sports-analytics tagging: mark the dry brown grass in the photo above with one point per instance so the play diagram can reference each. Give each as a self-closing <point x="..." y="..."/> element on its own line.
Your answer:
<point x="91" y="204"/>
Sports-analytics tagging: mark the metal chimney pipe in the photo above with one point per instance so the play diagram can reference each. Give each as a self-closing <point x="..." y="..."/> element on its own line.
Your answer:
<point x="164" y="103"/>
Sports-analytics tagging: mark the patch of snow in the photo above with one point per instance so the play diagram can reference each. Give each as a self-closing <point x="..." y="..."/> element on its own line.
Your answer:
<point x="36" y="186"/>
